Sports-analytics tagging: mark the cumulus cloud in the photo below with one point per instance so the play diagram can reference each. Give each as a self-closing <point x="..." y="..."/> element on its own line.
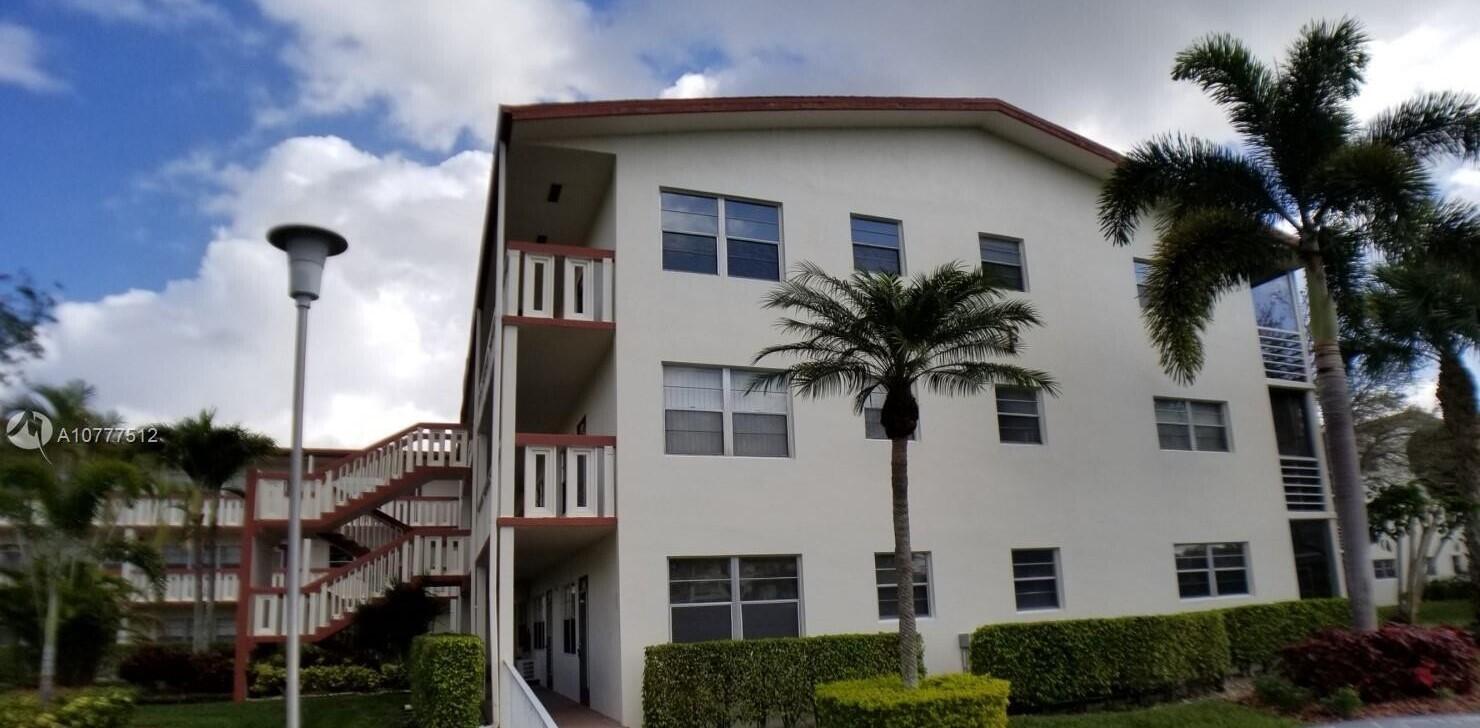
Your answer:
<point x="20" y="60"/>
<point x="387" y="340"/>
<point x="158" y="13"/>
<point x="691" y="86"/>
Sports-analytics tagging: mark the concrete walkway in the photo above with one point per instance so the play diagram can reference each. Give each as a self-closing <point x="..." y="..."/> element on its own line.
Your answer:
<point x="568" y="713"/>
<point x="1418" y="721"/>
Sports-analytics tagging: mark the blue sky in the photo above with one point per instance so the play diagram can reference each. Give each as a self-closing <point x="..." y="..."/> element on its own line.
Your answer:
<point x="145" y="145"/>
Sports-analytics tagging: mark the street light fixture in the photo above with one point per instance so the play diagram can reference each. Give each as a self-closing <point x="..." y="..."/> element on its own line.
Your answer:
<point x="308" y="247"/>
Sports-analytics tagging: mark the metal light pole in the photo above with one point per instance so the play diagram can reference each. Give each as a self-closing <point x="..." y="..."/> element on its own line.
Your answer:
<point x="307" y="248"/>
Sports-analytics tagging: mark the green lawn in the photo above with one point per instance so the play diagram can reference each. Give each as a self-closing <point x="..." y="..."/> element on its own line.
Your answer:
<point x="1457" y="612"/>
<point x="340" y="711"/>
<point x="1204" y="714"/>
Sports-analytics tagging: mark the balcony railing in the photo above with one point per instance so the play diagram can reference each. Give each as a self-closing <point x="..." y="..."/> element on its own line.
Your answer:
<point x="179" y="586"/>
<point x="1284" y="355"/>
<point x="425" y="511"/>
<point x="1302" y="478"/>
<point x="559" y="282"/>
<point x="565" y="476"/>
<point x="151" y="512"/>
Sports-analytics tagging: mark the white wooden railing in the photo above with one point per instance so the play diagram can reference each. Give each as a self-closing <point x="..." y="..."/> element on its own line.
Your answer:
<point x="559" y="282"/>
<point x="1303" y="488"/>
<point x="565" y="476"/>
<point x="519" y="707"/>
<point x="1284" y="355"/>
<point x="329" y="492"/>
<point x="334" y="596"/>
<point x="179" y="587"/>
<point x="426" y="512"/>
<point x="151" y="512"/>
<point x="370" y="532"/>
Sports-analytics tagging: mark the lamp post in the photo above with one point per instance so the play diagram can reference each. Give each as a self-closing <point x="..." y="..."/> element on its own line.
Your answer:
<point x="308" y="247"/>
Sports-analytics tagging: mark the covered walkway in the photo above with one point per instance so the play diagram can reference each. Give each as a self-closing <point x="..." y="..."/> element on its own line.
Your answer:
<point x="569" y="714"/>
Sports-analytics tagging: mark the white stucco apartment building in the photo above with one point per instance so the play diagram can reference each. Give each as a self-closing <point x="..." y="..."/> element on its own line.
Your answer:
<point x="626" y="492"/>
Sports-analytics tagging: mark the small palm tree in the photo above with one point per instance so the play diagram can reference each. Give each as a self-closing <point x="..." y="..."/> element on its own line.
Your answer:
<point x="1301" y="189"/>
<point x="875" y="332"/>
<point x="210" y="455"/>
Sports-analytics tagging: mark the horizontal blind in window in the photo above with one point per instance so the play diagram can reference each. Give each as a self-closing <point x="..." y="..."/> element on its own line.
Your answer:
<point x="693" y="411"/>
<point x="760" y="427"/>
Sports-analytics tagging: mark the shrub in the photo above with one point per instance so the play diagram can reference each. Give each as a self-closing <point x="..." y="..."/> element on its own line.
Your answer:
<point x="173" y="669"/>
<point x="1281" y="694"/>
<point x="1344" y="703"/>
<point x="714" y="683"/>
<point x="268" y="679"/>
<point x="447" y="680"/>
<point x="393" y="676"/>
<point x="1258" y="632"/>
<point x="339" y="679"/>
<point x="1396" y="661"/>
<point x="948" y="701"/>
<point x="1453" y="587"/>
<point x="1095" y="660"/>
<point x="89" y="708"/>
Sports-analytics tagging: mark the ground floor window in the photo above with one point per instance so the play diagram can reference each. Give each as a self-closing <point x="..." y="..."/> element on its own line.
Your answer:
<point x="734" y="597"/>
<point x="1212" y="569"/>
<point x="568" y="621"/>
<point x="888" y="585"/>
<point x="1035" y="579"/>
<point x="1385" y="568"/>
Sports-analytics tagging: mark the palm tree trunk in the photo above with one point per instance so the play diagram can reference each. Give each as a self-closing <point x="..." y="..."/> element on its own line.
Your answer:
<point x="1456" y="394"/>
<point x="904" y="561"/>
<point x="213" y="534"/>
<point x="49" y="640"/>
<point x="1418" y="570"/>
<point x="1341" y="448"/>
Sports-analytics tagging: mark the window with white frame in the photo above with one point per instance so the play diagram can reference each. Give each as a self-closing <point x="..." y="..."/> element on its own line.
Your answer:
<point x="724" y="411"/>
<point x="540" y="637"/>
<point x="873" y="418"/>
<point x="749" y="243"/>
<point x="876" y="245"/>
<point x="1019" y="419"/>
<point x="888" y="585"/>
<point x="734" y="597"/>
<point x="1211" y="569"/>
<point x="1385" y="568"/>
<point x="1143" y="272"/>
<point x="1035" y="579"/>
<point x="1003" y="258"/>
<point x="1184" y="424"/>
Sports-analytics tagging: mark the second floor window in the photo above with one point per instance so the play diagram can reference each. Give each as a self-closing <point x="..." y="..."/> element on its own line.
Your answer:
<point x="1018" y="417"/>
<point x="1143" y="272"/>
<point x="873" y="418"/>
<point x="1184" y="424"/>
<point x="712" y="411"/>
<point x="748" y="244"/>
<point x="1003" y="258"/>
<point x="876" y="245"/>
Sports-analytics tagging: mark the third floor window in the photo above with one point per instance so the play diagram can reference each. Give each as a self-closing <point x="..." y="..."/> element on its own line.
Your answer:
<point x="876" y="245"/>
<point x="1003" y="258"/>
<point x="721" y="236"/>
<point x="1183" y="424"/>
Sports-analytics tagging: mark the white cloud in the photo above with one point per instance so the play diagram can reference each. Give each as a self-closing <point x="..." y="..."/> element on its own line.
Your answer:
<point x="20" y="60"/>
<point x="387" y="340"/>
<point x="1465" y="182"/>
<point x="157" y="13"/>
<point x="1425" y="58"/>
<point x="691" y="86"/>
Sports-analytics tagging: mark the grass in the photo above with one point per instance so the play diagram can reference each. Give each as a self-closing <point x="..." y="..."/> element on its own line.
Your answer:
<point x="338" y="711"/>
<point x="1456" y="612"/>
<point x="1204" y="714"/>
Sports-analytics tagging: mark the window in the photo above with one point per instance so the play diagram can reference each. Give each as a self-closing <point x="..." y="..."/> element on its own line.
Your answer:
<point x="229" y="556"/>
<point x="696" y="409"/>
<point x="1003" y="258"/>
<point x="1211" y="569"/>
<point x="889" y="590"/>
<point x="1183" y="424"/>
<point x="692" y="238"/>
<point x="1430" y="567"/>
<point x="1143" y="271"/>
<point x="1385" y="568"/>
<point x="568" y="621"/>
<point x="1018" y="419"/>
<point x="541" y="637"/>
<point x="1035" y="578"/>
<point x="1458" y="562"/>
<point x="876" y="245"/>
<point x="873" y="423"/>
<point x="734" y="597"/>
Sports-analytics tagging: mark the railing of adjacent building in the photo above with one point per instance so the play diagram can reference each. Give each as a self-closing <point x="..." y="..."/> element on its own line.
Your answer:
<point x="520" y="709"/>
<point x="563" y="282"/>
<point x="1303" y="488"/>
<point x="1284" y="355"/>
<point x="565" y="476"/>
<point x="423" y="511"/>
<point x="179" y="586"/>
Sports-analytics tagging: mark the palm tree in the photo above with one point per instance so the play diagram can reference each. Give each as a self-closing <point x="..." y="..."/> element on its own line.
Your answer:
<point x="1426" y="312"/>
<point x="210" y="455"/>
<point x="55" y="508"/>
<point x="1300" y="190"/>
<point x="875" y="332"/>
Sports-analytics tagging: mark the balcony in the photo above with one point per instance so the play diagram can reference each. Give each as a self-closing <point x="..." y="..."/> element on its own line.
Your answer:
<point x="1284" y="355"/>
<point x="1302" y="478"/>
<point x="565" y="476"/>
<point x="179" y="586"/>
<point x="558" y="285"/>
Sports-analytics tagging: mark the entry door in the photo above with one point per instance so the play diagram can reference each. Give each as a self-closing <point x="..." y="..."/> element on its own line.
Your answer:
<point x="549" y="643"/>
<point x="1311" y="540"/>
<point x="581" y="642"/>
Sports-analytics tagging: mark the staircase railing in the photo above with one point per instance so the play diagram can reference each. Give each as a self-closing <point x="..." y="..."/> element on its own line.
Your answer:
<point x="370" y="532"/>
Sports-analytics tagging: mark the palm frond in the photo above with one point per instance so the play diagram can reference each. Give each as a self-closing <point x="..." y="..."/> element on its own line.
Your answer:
<point x="1430" y="125"/>
<point x="1373" y="180"/>
<point x="1311" y="117"/>
<point x="971" y="377"/>
<point x="1224" y="68"/>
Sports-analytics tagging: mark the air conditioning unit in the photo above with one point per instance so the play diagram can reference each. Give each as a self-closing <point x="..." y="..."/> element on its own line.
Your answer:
<point x="526" y="669"/>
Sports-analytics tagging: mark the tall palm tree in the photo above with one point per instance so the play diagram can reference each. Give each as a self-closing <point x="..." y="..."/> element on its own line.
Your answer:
<point x="875" y="332"/>
<point x="1301" y="189"/>
<point x="1426" y="312"/>
<point x="210" y="455"/>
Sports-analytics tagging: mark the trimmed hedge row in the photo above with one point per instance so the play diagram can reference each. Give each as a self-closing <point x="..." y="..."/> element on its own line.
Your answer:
<point x="447" y="680"/>
<point x="1092" y="660"/>
<point x="1258" y="632"/>
<point x="948" y="701"/>
<point x="753" y="681"/>
<point x="87" y="708"/>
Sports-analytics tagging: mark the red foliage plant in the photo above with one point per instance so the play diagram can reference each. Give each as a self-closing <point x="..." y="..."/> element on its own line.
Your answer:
<point x="1395" y="662"/>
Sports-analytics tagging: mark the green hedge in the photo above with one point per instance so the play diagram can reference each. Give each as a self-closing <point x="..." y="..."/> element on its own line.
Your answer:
<point x="268" y="678"/>
<point x="1094" y="660"/>
<point x="447" y="680"/>
<point x="948" y="701"/>
<point x="1256" y="633"/>
<point x="87" y="708"/>
<point x="753" y="681"/>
